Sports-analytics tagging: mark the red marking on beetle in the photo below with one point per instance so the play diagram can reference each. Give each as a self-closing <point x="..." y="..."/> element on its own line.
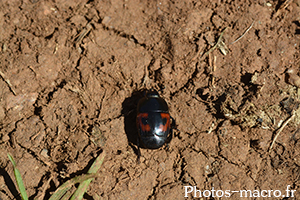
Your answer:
<point x="144" y="127"/>
<point x="164" y="127"/>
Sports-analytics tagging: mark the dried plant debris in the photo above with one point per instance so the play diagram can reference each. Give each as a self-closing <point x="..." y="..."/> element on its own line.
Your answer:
<point x="83" y="33"/>
<point x="284" y="5"/>
<point x="235" y="109"/>
<point x="223" y="48"/>
<point x="97" y="136"/>
<point x="280" y="130"/>
<point x="293" y="78"/>
<point x="220" y="45"/>
<point x="248" y="114"/>
<point x="7" y="81"/>
<point x="289" y="104"/>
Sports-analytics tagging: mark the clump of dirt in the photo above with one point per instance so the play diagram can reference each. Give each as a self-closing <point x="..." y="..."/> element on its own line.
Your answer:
<point x="73" y="71"/>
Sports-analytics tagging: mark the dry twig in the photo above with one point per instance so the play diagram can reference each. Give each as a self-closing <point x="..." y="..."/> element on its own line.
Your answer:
<point x="83" y="33"/>
<point x="280" y="130"/>
<point x="282" y="6"/>
<point x="213" y="48"/>
<point x="7" y="82"/>
<point x="248" y="29"/>
<point x="43" y="193"/>
<point x="217" y="44"/>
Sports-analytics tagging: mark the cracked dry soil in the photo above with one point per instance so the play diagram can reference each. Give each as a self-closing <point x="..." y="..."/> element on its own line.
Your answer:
<point x="73" y="71"/>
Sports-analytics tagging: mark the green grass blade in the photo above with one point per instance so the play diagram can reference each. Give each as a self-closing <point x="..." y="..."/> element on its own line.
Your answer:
<point x="82" y="188"/>
<point x="62" y="190"/>
<point x="68" y="195"/>
<point x="18" y="177"/>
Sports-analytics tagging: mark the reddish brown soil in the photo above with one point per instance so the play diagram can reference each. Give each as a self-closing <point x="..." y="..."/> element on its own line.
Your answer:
<point x="65" y="99"/>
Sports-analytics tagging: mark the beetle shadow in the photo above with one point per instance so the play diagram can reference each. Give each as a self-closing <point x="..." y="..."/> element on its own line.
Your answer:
<point x="129" y="111"/>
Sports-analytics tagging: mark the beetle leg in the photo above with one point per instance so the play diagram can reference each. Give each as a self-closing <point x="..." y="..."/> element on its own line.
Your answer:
<point x="139" y="151"/>
<point x="129" y="112"/>
<point x="170" y="136"/>
<point x="174" y="125"/>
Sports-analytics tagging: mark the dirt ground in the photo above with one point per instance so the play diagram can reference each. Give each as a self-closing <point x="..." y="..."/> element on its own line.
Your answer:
<point x="72" y="73"/>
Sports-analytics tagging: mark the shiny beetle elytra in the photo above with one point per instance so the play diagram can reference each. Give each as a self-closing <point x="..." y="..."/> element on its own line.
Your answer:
<point x="153" y="121"/>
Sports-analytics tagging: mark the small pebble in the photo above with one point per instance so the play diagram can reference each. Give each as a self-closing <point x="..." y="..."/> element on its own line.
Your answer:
<point x="268" y="4"/>
<point x="44" y="153"/>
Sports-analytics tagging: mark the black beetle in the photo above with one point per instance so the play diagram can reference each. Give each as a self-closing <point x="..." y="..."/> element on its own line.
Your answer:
<point x="153" y="121"/>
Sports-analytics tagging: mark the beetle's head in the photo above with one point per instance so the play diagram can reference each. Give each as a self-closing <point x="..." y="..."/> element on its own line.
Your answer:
<point x="152" y="94"/>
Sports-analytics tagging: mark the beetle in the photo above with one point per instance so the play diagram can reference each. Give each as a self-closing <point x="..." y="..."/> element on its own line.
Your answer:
<point x="153" y="121"/>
